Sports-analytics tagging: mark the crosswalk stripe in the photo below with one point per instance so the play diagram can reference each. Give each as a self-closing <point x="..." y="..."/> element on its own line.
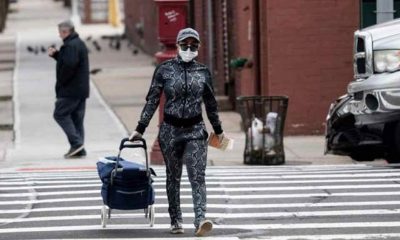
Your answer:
<point x="367" y="236"/>
<point x="297" y="171"/>
<point x="210" y="196"/>
<point x="232" y="170"/>
<point x="153" y="238"/>
<point x="334" y="225"/>
<point x="215" y="169"/>
<point x="359" y="166"/>
<point x="326" y="178"/>
<point x="159" y="183"/>
<point x="219" y="206"/>
<point x="209" y="189"/>
<point x="216" y="215"/>
<point x="222" y="172"/>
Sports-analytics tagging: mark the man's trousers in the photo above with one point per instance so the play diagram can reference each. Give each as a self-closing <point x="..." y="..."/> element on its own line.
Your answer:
<point x="69" y="114"/>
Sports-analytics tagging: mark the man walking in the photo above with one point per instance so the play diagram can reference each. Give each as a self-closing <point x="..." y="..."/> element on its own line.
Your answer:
<point x="72" y="87"/>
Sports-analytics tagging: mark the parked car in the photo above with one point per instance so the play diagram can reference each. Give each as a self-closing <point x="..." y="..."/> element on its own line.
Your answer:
<point x="365" y="123"/>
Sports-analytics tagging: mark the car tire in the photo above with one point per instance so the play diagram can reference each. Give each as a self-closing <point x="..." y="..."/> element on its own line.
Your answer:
<point x="361" y="156"/>
<point x="392" y="139"/>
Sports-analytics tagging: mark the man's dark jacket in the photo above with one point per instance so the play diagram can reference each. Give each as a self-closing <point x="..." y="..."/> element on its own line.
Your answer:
<point x="72" y="69"/>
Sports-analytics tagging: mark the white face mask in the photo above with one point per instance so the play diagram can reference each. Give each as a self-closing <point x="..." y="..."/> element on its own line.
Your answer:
<point x="187" y="55"/>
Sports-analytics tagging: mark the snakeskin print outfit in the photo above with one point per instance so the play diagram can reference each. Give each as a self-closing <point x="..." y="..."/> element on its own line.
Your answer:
<point x="183" y="135"/>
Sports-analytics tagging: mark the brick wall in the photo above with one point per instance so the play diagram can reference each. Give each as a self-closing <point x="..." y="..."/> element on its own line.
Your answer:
<point x="304" y="50"/>
<point x="307" y="55"/>
<point x="242" y="44"/>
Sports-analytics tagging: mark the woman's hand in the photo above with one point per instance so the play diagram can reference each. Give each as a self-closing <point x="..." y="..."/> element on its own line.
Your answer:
<point x="220" y="136"/>
<point x="134" y="135"/>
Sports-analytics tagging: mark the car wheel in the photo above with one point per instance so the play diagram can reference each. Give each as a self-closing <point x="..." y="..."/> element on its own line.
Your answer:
<point x="392" y="137"/>
<point x="361" y="156"/>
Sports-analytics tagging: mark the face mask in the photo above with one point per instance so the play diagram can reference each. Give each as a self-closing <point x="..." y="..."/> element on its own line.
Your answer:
<point x="187" y="55"/>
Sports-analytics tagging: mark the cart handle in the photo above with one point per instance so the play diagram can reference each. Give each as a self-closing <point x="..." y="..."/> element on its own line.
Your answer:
<point x="134" y="145"/>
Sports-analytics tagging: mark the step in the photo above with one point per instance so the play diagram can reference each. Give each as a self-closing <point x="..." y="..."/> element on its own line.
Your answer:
<point x="6" y="141"/>
<point x="7" y="47"/>
<point x="6" y="115"/>
<point x="224" y="103"/>
<point x="6" y="87"/>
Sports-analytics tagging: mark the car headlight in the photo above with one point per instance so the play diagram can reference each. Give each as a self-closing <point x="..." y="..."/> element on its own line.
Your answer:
<point x="386" y="60"/>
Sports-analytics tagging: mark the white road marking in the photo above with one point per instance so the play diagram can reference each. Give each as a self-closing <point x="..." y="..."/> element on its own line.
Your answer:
<point x="211" y="172"/>
<point x="210" y="196"/>
<point x="159" y="183"/>
<point x="215" y="215"/>
<point x="367" y="236"/>
<point x="335" y="225"/>
<point x="209" y="189"/>
<point x="221" y="206"/>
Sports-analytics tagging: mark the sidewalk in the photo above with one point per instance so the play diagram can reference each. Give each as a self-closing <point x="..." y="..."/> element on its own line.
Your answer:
<point x="113" y="110"/>
<point x="39" y="141"/>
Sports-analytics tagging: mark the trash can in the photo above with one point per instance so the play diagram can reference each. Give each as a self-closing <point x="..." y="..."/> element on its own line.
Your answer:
<point x="263" y="120"/>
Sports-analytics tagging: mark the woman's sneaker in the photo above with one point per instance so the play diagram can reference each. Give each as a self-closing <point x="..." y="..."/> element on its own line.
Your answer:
<point x="204" y="227"/>
<point x="176" y="228"/>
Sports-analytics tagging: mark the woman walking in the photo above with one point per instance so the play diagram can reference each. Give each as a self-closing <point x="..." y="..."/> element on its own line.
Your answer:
<point x="186" y="84"/>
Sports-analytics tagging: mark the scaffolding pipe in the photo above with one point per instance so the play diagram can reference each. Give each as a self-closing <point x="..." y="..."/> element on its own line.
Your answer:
<point x="225" y="40"/>
<point x="210" y="35"/>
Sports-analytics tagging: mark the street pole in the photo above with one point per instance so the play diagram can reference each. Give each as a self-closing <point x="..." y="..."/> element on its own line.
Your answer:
<point x="75" y="18"/>
<point x="384" y="11"/>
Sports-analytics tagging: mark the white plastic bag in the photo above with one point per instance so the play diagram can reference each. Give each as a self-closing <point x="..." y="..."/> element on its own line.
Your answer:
<point x="269" y="142"/>
<point x="255" y="133"/>
<point x="271" y="121"/>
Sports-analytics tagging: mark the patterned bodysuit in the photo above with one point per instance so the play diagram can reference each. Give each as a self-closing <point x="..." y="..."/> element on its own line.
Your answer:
<point x="185" y="86"/>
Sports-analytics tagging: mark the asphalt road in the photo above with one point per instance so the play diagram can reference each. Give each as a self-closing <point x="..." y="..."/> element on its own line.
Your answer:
<point x="281" y="202"/>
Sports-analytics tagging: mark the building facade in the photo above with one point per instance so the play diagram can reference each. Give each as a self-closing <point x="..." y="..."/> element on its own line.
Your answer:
<point x="298" y="48"/>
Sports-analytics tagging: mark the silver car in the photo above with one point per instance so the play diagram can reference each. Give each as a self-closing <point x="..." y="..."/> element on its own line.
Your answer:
<point x="365" y="123"/>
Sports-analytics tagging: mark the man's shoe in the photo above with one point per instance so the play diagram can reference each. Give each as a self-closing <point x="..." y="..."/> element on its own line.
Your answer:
<point x="81" y="153"/>
<point x="176" y="228"/>
<point x="73" y="152"/>
<point x="204" y="227"/>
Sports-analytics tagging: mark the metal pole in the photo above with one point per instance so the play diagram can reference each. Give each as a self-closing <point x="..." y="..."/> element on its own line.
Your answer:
<point x="75" y="18"/>
<point x="225" y="39"/>
<point x="210" y="35"/>
<point x="384" y="11"/>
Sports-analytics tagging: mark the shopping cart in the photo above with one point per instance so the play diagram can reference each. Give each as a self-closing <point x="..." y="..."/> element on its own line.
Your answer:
<point x="126" y="185"/>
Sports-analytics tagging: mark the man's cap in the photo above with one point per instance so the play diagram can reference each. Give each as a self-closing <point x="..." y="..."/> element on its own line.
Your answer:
<point x="187" y="33"/>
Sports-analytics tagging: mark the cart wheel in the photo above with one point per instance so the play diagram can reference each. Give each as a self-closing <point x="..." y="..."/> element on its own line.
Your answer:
<point x="146" y="212"/>
<point x="152" y="216"/>
<point x="109" y="213"/>
<point x="104" y="216"/>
